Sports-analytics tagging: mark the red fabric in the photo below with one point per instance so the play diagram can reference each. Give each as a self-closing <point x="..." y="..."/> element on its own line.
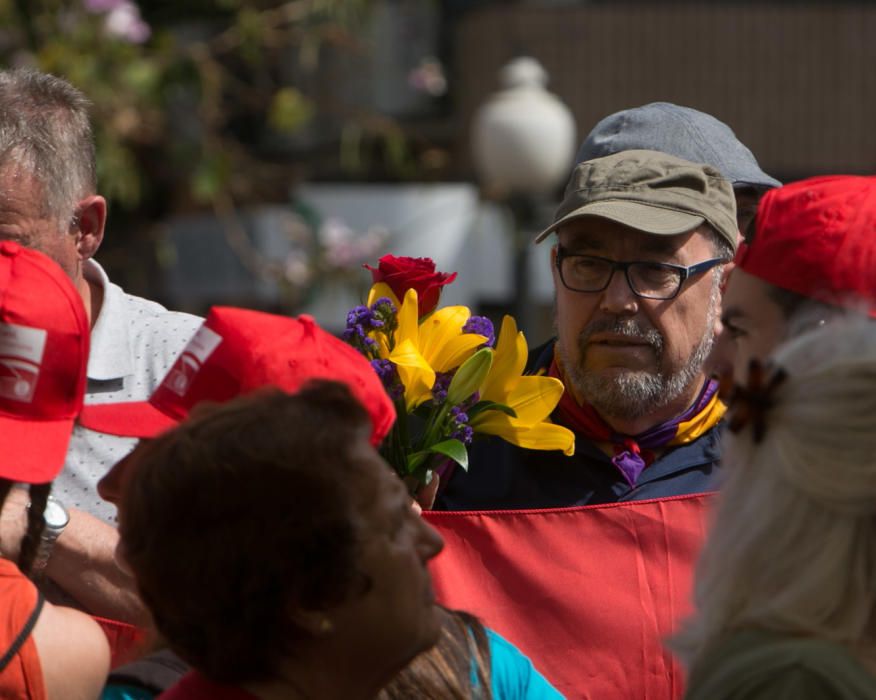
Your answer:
<point x="587" y="593"/>
<point x="22" y="679"/>
<point x="193" y="686"/>
<point x="402" y="274"/>
<point x="44" y="337"/>
<point x="126" y="641"/>
<point x="817" y="237"/>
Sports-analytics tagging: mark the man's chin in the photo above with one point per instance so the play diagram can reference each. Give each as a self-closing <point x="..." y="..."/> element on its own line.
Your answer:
<point x="620" y="391"/>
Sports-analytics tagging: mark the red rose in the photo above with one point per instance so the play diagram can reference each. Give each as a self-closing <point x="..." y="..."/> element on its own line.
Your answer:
<point x="402" y="274"/>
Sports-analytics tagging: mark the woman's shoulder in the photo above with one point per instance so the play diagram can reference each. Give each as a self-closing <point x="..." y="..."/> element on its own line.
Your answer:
<point x="757" y="664"/>
<point x="71" y="670"/>
<point x="513" y="675"/>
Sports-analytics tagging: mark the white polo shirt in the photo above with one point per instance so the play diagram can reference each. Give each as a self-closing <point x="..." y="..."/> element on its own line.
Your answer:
<point x="134" y="342"/>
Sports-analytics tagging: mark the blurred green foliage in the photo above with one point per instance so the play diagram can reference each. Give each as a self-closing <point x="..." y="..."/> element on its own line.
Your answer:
<point x="183" y="92"/>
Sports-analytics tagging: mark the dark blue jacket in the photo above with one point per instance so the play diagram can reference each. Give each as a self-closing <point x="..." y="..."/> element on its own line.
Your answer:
<point x="502" y="476"/>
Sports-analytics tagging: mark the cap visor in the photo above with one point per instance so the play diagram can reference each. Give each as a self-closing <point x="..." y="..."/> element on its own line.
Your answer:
<point x="761" y="182"/>
<point x="642" y="217"/>
<point x="33" y="451"/>
<point x="137" y="419"/>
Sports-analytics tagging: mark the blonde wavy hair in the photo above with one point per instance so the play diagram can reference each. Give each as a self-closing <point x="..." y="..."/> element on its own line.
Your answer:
<point x="792" y="547"/>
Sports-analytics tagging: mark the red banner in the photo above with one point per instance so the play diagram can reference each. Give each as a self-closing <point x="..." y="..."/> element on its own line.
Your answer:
<point x="588" y="593"/>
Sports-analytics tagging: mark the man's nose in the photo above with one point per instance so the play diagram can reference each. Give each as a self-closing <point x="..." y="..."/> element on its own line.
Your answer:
<point x="618" y="297"/>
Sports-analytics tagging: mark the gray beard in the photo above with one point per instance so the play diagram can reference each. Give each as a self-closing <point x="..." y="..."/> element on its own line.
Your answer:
<point x="636" y="393"/>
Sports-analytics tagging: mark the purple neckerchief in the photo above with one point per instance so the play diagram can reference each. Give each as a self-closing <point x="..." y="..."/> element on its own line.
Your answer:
<point x="629" y="457"/>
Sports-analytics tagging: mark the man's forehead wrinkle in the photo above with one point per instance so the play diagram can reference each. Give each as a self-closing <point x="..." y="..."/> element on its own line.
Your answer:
<point x="595" y="239"/>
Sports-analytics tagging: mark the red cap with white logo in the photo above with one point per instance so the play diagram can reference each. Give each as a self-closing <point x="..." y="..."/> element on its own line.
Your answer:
<point x="43" y="360"/>
<point x="237" y="351"/>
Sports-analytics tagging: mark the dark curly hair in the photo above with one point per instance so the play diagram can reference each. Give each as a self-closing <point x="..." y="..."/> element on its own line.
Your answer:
<point x="241" y="514"/>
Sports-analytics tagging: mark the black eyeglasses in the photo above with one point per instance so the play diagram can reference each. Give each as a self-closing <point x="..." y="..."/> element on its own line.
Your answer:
<point x="649" y="280"/>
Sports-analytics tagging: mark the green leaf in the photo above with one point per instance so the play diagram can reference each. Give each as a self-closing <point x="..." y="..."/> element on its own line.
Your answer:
<point x="452" y="448"/>
<point x="482" y="406"/>
<point x="289" y="110"/>
<point x="210" y="177"/>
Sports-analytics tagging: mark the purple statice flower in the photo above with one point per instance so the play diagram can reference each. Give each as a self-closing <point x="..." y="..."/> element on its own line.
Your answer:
<point x="459" y="427"/>
<point x="359" y="323"/>
<point x="383" y="315"/>
<point x="482" y="326"/>
<point x="388" y="374"/>
<point x="359" y="317"/>
<point x="440" y="387"/>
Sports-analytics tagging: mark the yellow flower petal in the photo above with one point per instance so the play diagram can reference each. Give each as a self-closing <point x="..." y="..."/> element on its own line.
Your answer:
<point x="541" y="436"/>
<point x="534" y="398"/>
<point x="508" y="363"/>
<point x="415" y="373"/>
<point x="457" y="351"/>
<point x="408" y="320"/>
<point x="381" y="289"/>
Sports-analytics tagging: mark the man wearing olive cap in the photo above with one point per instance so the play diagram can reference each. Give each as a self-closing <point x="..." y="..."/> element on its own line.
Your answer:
<point x="641" y="240"/>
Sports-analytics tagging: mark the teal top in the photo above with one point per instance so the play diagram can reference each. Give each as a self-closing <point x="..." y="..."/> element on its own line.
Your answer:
<point x="512" y="674"/>
<point x="126" y="692"/>
<point x="758" y="665"/>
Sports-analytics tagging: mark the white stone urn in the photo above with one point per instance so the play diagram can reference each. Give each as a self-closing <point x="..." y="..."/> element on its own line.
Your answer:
<point x="523" y="137"/>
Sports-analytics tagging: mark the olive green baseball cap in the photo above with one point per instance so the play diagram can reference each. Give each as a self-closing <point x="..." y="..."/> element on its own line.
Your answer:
<point x="651" y="192"/>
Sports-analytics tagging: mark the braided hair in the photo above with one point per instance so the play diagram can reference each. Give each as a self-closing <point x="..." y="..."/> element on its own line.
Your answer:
<point x="39" y="494"/>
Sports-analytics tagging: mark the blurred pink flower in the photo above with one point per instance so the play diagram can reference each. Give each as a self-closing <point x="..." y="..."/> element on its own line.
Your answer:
<point x="429" y="77"/>
<point x="123" y="21"/>
<point x="97" y="6"/>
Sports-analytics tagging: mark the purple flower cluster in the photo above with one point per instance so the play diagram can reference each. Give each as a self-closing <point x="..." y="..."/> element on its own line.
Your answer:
<point x="441" y="385"/>
<point x="361" y="320"/>
<point x="482" y="326"/>
<point x="384" y="315"/>
<point x="388" y="374"/>
<point x="459" y="426"/>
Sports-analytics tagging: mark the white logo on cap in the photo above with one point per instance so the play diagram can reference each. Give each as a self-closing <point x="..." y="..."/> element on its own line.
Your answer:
<point x="21" y="352"/>
<point x="200" y="347"/>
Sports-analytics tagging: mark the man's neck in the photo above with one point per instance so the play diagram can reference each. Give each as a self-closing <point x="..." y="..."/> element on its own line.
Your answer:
<point x="92" y="297"/>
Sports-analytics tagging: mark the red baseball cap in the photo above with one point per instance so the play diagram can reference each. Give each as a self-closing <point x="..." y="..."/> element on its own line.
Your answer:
<point x="817" y="237"/>
<point x="237" y="351"/>
<point x="44" y="336"/>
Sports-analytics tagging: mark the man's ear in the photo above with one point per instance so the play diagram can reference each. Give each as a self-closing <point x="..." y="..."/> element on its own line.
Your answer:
<point x="89" y="225"/>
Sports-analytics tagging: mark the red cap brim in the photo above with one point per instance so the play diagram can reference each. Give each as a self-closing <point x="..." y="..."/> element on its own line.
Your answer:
<point x="33" y="451"/>
<point x="137" y="419"/>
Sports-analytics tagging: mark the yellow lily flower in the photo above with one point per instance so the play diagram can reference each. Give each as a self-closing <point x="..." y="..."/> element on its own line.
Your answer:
<point x="422" y="349"/>
<point x="442" y="341"/>
<point x="532" y="399"/>
<point x="377" y="291"/>
<point x="414" y="370"/>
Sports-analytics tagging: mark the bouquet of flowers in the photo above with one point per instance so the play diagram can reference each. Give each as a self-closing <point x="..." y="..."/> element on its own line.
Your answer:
<point x="451" y="379"/>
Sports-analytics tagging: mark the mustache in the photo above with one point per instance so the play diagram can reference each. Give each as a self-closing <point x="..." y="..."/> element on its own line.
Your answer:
<point x="628" y="327"/>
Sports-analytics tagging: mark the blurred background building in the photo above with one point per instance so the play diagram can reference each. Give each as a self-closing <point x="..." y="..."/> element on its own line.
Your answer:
<point x="256" y="152"/>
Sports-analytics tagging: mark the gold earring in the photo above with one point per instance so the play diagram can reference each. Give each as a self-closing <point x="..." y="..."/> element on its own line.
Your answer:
<point x="325" y="625"/>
